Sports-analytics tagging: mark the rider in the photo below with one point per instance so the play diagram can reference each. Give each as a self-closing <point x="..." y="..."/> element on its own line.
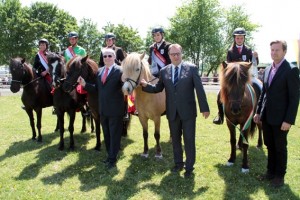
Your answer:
<point x="238" y="52"/>
<point x="74" y="49"/>
<point x="159" y="56"/>
<point x="110" y="40"/>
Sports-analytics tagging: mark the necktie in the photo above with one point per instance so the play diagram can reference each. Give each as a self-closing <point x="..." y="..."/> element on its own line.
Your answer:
<point x="240" y="50"/>
<point x="175" y="76"/>
<point x="104" y="76"/>
<point x="271" y="75"/>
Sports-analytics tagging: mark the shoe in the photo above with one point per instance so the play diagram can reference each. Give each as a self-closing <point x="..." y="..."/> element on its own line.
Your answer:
<point x="106" y="161"/>
<point x="266" y="177"/>
<point x="110" y="165"/>
<point x="177" y="168"/>
<point x="23" y="107"/>
<point x="218" y="120"/>
<point x="277" y="182"/>
<point x="188" y="174"/>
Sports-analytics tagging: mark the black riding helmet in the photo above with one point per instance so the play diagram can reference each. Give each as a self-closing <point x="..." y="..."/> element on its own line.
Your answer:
<point x="110" y="35"/>
<point x="239" y="31"/>
<point x="158" y="29"/>
<point x="43" y="40"/>
<point x="73" y="34"/>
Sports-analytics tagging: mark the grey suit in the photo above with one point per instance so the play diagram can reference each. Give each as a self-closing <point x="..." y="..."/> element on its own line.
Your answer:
<point x="181" y="108"/>
<point x="111" y="108"/>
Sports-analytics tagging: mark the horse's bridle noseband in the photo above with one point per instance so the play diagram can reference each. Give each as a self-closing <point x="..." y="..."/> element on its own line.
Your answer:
<point x="131" y="81"/>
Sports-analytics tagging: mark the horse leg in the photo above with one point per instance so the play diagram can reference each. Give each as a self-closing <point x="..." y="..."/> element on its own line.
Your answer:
<point x="260" y="140"/>
<point x="31" y="119"/>
<point x="98" y="131"/>
<point x="144" y="123"/>
<point x="39" y="124"/>
<point x="92" y="124"/>
<point x="83" y="129"/>
<point x="232" y="158"/>
<point x="245" y="165"/>
<point x="239" y="145"/>
<point x="57" y="124"/>
<point x="60" y="116"/>
<point x="158" y="153"/>
<point x="71" y="128"/>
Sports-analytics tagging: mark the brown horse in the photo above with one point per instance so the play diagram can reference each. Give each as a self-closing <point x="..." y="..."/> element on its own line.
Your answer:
<point x="36" y="92"/>
<point x="149" y="106"/>
<point x="239" y="101"/>
<point x="64" y="102"/>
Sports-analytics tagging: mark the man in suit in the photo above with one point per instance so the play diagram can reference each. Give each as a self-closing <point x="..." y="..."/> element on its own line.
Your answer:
<point x="277" y="109"/>
<point x="180" y="80"/>
<point x="111" y="104"/>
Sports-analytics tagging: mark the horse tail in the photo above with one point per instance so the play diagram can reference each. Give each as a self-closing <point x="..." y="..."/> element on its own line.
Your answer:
<point x="252" y="128"/>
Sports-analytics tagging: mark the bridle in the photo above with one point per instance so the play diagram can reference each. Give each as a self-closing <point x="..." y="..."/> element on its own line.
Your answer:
<point x="136" y="82"/>
<point x="21" y="81"/>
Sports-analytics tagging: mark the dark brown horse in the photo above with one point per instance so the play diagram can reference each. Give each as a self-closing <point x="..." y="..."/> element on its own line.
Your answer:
<point x="239" y="101"/>
<point x="63" y="101"/>
<point x="149" y="106"/>
<point x="36" y="92"/>
<point x="86" y="68"/>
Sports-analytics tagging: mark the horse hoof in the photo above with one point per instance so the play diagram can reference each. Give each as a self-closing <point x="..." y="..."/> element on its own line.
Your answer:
<point x="144" y="155"/>
<point x="229" y="164"/>
<point x="159" y="156"/>
<point x="245" y="171"/>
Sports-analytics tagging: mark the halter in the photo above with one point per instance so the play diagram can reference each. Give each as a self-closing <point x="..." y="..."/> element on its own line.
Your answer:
<point x="129" y="80"/>
<point x="21" y="81"/>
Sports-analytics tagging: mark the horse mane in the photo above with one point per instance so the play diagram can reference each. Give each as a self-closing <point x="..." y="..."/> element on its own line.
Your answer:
<point x="233" y="76"/>
<point x="93" y="65"/>
<point x="134" y="59"/>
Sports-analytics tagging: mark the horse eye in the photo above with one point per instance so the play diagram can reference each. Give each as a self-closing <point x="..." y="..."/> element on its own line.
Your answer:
<point x="137" y="70"/>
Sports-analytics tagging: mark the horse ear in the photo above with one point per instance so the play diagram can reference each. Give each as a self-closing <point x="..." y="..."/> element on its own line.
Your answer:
<point x="23" y="60"/>
<point x="224" y="64"/>
<point x="142" y="56"/>
<point x="83" y="60"/>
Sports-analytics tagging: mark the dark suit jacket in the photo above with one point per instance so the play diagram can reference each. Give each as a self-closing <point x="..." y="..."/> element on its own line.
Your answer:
<point x="279" y="102"/>
<point x="181" y="97"/>
<point x="110" y="95"/>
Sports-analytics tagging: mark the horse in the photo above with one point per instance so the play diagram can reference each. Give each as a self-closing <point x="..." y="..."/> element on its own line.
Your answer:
<point x="63" y="101"/>
<point x="149" y="106"/>
<point x="239" y="101"/>
<point x="86" y="68"/>
<point x="36" y="92"/>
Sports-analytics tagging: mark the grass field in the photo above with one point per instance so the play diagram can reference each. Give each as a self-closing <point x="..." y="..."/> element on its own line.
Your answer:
<point x="31" y="170"/>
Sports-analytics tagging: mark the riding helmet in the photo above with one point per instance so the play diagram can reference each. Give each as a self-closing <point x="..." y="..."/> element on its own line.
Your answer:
<point x="158" y="29"/>
<point x="73" y="34"/>
<point x="43" y="40"/>
<point x="239" y="31"/>
<point x="110" y="35"/>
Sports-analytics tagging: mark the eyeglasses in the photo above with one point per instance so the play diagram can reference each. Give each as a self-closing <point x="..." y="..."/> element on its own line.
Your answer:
<point x="105" y="56"/>
<point x="175" y="54"/>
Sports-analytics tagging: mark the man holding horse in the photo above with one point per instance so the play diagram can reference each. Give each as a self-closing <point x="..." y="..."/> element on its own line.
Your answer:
<point x="238" y="52"/>
<point x="277" y="109"/>
<point x="180" y="80"/>
<point x="111" y="104"/>
<point x="158" y="56"/>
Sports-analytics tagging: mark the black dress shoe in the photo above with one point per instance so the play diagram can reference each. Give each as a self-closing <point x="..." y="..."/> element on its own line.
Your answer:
<point x="188" y="174"/>
<point x="177" y="168"/>
<point x="110" y="165"/>
<point x="23" y="107"/>
<point x="106" y="161"/>
<point x="266" y="177"/>
<point x="218" y="120"/>
<point x="277" y="182"/>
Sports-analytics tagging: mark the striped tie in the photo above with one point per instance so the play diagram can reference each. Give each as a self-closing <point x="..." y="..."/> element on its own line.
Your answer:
<point x="176" y="76"/>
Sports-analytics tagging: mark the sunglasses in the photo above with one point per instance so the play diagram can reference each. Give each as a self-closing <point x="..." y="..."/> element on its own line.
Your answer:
<point x="175" y="54"/>
<point x="105" y="56"/>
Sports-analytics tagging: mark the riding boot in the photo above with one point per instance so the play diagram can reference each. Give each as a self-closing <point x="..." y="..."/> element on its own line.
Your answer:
<point x="220" y="118"/>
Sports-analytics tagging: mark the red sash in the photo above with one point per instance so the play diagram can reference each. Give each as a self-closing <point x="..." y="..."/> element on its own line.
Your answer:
<point x="159" y="56"/>
<point x="71" y="51"/>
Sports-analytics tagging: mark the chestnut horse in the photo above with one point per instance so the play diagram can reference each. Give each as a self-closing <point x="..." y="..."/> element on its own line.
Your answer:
<point x="36" y="93"/>
<point x="149" y="106"/>
<point x="239" y="101"/>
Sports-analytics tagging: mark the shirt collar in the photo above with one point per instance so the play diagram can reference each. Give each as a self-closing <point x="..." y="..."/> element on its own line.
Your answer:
<point x="276" y="66"/>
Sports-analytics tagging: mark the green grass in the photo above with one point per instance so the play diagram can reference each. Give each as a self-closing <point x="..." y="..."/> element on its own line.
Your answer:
<point x="31" y="170"/>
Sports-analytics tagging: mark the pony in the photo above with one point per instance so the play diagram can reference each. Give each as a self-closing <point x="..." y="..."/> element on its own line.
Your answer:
<point x="63" y="101"/>
<point x="36" y="92"/>
<point x="149" y="106"/>
<point x="87" y="68"/>
<point x="239" y="101"/>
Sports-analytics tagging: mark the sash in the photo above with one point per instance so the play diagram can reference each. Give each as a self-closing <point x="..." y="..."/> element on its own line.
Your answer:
<point x="43" y="60"/>
<point x="158" y="58"/>
<point x="70" y="52"/>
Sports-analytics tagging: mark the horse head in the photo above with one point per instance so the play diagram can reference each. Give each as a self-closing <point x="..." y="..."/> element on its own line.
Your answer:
<point x="134" y="68"/>
<point x="20" y="72"/>
<point x="234" y="77"/>
<point x="56" y="68"/>
<point x="80" y="66"/>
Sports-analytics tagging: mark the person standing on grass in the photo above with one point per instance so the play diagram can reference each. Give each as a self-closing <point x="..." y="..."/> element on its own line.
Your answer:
<point x="180" y="81"/>
<point x="277" y="109"/>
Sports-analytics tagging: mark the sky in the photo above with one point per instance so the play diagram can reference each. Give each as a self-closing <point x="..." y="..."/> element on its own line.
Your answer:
<point x="279" y="19"/>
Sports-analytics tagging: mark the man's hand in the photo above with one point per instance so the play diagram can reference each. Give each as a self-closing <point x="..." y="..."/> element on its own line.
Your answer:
<point x="143" y="83"/>
<point x="205" y="114"/>
<point x="256" y="118"/>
